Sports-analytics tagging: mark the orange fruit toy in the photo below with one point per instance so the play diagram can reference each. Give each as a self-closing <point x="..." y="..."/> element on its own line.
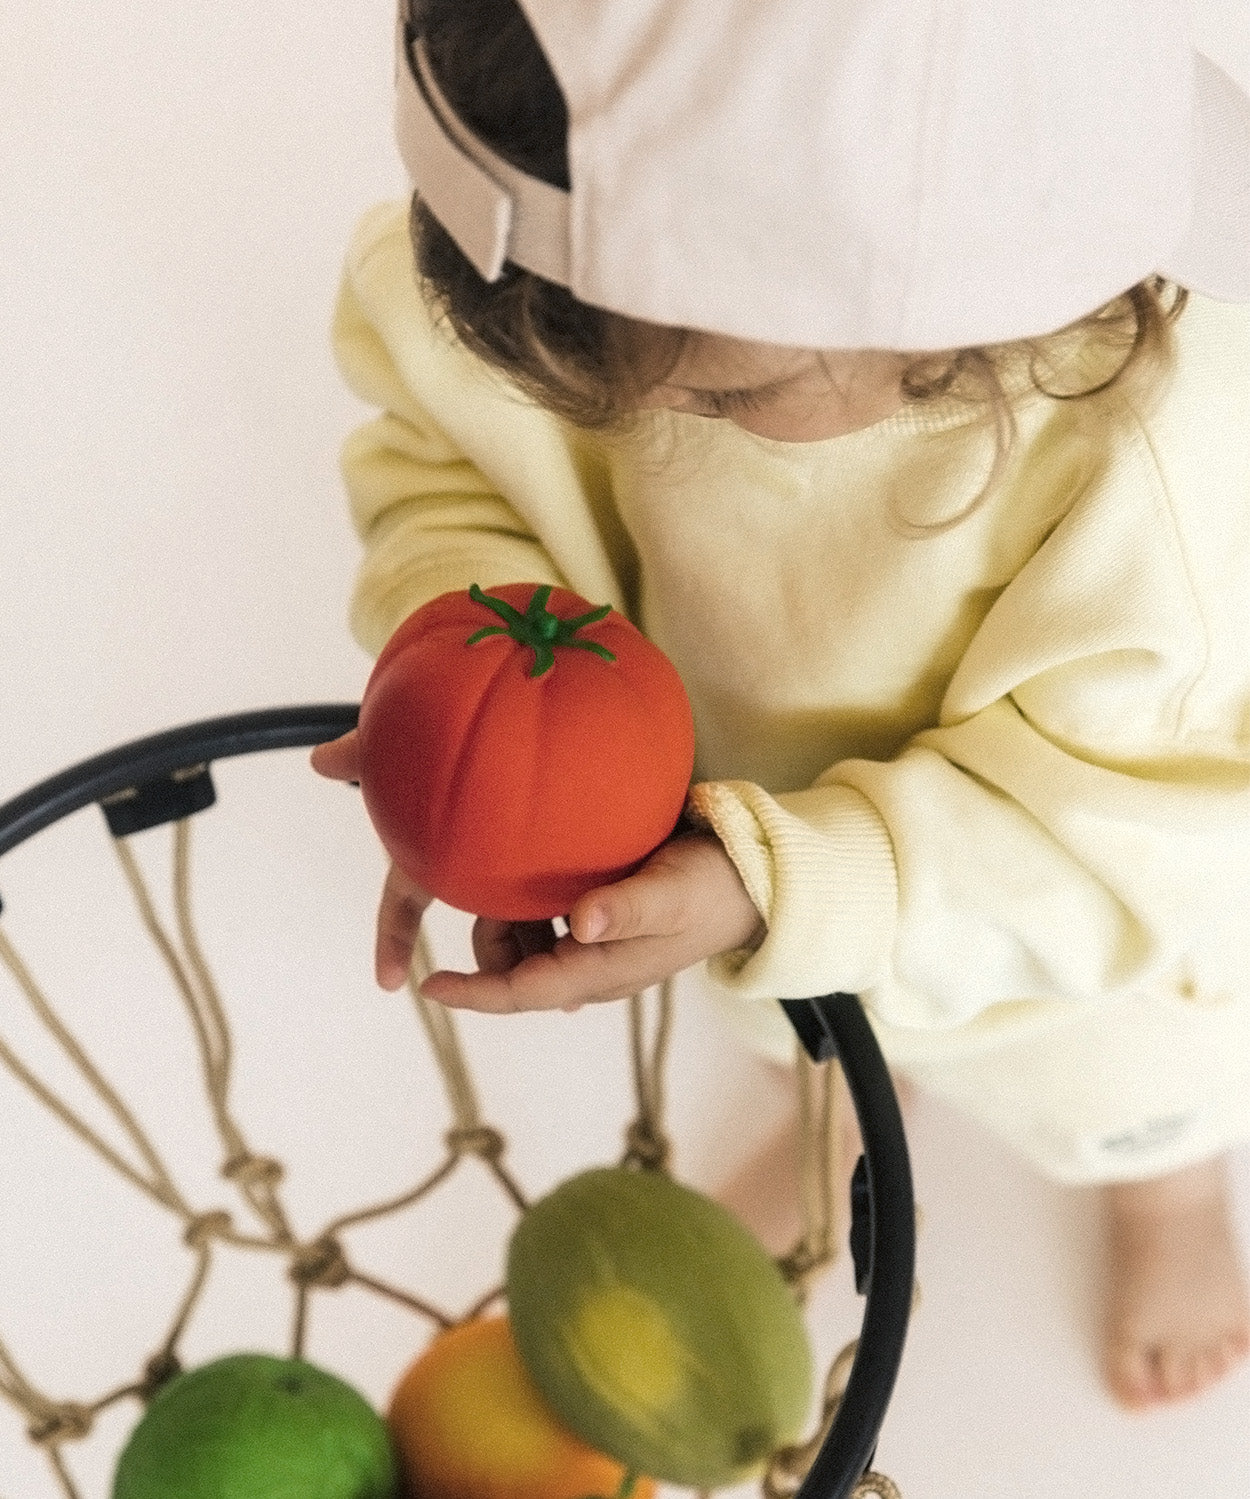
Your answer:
<point x="468" y="1423"/>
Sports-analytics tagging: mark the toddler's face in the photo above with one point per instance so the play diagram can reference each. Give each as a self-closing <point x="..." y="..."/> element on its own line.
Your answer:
<point x="791" y="395"/>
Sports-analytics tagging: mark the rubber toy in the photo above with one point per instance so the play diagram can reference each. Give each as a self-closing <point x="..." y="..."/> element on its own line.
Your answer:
<point x="520" y="747"/>
<point x="469" y="1424"/>
<point x="657" y="1327"/>
<point x="251" y="1426"/>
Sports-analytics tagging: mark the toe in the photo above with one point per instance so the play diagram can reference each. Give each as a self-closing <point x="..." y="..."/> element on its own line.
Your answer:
<point x="1132" y="1375"/>
<point x="1209" y="1365"/>
<point x="1231" y="1350"/>
<point x="1178" y="1373"/>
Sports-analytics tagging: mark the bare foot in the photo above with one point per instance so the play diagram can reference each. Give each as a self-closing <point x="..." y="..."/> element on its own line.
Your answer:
<point x="1178" y="1317"/>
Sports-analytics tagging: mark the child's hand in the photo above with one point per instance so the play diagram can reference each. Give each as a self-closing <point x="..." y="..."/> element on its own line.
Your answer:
<point x="403" y="903"/>
<point x="685" y="904"/>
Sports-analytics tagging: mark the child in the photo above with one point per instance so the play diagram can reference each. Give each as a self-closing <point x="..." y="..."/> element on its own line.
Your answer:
<point x="956" y="574"/>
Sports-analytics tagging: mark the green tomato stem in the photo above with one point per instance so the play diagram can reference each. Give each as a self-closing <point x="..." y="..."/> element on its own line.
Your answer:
<point x="538" y="628"/>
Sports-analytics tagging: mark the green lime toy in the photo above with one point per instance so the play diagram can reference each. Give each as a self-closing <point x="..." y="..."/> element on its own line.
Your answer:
<point x="252" y="1426"/>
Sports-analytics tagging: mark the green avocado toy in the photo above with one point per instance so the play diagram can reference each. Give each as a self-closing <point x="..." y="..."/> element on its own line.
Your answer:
<point x="657" y="1328"/>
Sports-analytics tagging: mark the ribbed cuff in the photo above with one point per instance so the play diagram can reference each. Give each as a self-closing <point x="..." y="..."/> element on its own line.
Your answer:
<point x="819" y="866"/>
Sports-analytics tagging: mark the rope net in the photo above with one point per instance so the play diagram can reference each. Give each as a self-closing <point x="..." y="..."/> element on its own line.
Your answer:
<point x="258" y="1221"/>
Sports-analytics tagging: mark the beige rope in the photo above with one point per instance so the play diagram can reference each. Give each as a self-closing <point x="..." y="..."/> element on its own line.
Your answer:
<point x="876" y="1486"/>
<point x="68" y="1486"/>
<point x="158" y="1184"/>
<point x="440" y="1029"/>
<point x="256" y="1177"/>
<point x="49" y="1423"/>
<point x="14" y="1386"/>
<point x="469" y="1134"/>
<point x="818" y="1087"/>
<point x="483" y="1303"/>
<point x="789" y="1465"/>
<point x="395" y="1204"/>
<point x="165" y="1359"/>
<point x="405" y="1298"/>
<point x="646" y="1142"/>
<point x="319" y="1263"/>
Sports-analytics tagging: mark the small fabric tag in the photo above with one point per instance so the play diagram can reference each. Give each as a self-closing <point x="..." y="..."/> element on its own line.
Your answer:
<point x="1153" y="1135"/>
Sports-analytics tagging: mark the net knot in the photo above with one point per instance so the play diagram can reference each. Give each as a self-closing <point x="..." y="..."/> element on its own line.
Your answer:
<point x="804" y="1263"/>
<point x="646" y="1146"/>
<point x="61" y="1423"/>
<point x="876" y="1486"/>
<point x="320" y="1263"/>
<point x="205" y="1227"/>
<point x="248" y="1170"/>
<point x="476" y="1139"/>
<point x="786" y="1471"/>
<point x="788" y="1466"/>
<point x="159" y="1370"/>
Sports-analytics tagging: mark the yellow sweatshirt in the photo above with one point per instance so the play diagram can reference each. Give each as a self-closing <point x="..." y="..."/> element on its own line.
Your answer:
<point x="987" y="776"/>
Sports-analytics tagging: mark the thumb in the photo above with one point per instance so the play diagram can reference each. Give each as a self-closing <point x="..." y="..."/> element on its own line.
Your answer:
<point x="645" y="904"/>
<point x="339" y="759"/>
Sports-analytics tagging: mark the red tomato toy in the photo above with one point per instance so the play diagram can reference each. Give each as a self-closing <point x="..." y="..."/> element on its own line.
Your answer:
<point x="520" y="747"/>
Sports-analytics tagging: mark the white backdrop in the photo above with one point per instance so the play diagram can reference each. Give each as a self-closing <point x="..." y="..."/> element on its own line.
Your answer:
<point x="177" y="184"/>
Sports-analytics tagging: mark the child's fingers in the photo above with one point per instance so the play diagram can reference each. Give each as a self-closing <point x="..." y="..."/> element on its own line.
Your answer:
<point x="501" y="945"/>
<point x="399" y="920"/>
<point x="565" y="978"/>
<point x="339" y="759"/>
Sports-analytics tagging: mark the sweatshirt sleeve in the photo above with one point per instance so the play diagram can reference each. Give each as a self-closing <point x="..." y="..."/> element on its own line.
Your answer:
<point x="458" y="479"/>
<point x="1077" y="823"/>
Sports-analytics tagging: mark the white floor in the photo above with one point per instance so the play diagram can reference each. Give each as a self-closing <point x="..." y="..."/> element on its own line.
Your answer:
<point x="176" y="188"/>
